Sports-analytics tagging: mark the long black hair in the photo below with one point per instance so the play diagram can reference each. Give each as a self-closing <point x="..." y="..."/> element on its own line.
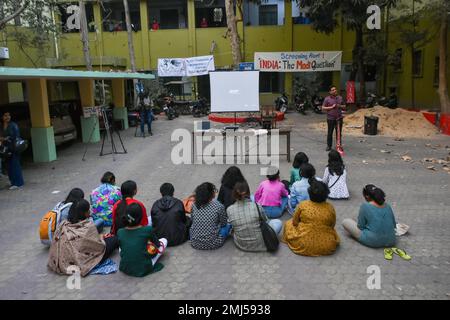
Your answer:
<point x="75" y="195"/>
<point x="300" y="158"/>
<point x="232" y="176"/>
<point x="128" y="190"/>
<point x="78" y="211"/>
<point x="373" y="193"/>
<point x="308" y="171"/>
<point x="204" y="193"/>
<point x="335" y="163"/>
<point x="133" y="215"/>
<point x="108" y="177"/>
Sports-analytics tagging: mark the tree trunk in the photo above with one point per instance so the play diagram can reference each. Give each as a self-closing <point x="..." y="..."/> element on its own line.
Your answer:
<point x="233" y="33"/>
<point x="130" y="36"/>
<point x="358" y="65"/>
<point x="85" y="36"/>
<point x="443" y="87"/>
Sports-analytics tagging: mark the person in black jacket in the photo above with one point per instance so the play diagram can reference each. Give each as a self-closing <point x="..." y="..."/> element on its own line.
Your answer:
<point x="169" y="219"/>
<point x="232" y="176"/>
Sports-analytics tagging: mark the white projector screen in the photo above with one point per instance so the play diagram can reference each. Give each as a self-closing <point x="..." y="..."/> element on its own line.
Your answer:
<point x="234" y="91"/>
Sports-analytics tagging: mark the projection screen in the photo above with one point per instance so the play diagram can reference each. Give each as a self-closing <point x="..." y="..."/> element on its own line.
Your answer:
<point x="234" y="91"/>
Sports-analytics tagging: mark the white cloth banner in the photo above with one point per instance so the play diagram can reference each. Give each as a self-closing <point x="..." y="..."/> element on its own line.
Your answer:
<point x="173" y="67"/>
<point x="199" y="66"/>
<point x="185" y="67"/>
<point x="310" y="61"/>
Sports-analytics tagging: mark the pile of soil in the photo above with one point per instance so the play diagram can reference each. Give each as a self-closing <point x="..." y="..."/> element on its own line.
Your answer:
<point x="398" y="123"/>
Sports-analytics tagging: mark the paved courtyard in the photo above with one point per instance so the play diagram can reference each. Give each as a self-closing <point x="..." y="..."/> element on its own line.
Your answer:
<point x="420" y="198"/>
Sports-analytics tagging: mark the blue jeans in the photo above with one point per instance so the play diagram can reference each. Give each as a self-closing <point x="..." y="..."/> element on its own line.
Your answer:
<point x="15" y="171"/>
<point x="225" y="230"/>
<point x="276" y="225"/>
<point x="276" y="212"/>
<point x="98" y="223"/>
<point x="146" y="118"/>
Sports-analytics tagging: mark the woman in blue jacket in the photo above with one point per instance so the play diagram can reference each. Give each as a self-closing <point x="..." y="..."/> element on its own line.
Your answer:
<point x="11" y="134"/>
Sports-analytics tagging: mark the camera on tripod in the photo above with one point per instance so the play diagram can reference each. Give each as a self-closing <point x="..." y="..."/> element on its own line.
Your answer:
<point x="106" y="120"/>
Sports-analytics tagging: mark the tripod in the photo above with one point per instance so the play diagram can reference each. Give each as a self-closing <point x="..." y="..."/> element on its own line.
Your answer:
<point x="110" y="129"/>
<point x="104" y="132"/>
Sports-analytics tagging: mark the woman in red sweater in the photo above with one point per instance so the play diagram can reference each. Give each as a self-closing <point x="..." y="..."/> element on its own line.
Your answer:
<point x="128" y="190"/>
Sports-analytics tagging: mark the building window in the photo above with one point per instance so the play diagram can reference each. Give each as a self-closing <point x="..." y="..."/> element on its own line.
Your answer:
<point x="270" y="82"/>
<point x="300" y="15"/>
<point x="167" y="14"/>
<point x="268" y="12"/>
<point x="210" y="14"/>
<point x="113" y="16"/>
<point x="62" y="8"/>
<point x="436" y="72"/>
<point x="418" y="63"/>
<point x="268" y="15"/>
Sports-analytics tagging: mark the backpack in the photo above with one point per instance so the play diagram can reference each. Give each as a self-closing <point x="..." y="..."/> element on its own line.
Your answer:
<point x="50" y="221"/>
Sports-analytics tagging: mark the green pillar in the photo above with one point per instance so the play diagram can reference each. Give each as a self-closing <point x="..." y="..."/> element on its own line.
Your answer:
<point x="90" y="130"/>
<point x="44" y="149"/>
<point x="121" y="114"/>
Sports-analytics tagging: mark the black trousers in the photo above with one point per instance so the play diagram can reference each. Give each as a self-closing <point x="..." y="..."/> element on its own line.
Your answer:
<point x="332" y="126"/>
<point x="112" y="243"/>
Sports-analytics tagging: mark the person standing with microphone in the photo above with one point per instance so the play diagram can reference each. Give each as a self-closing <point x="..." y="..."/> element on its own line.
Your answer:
<point x="333" y="105"/>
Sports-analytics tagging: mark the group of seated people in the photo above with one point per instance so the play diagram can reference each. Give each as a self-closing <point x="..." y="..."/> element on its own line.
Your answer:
<point x="210" y="220"/>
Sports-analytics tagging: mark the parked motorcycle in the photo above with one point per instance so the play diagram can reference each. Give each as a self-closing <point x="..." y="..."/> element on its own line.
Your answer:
<point x="301" y="100"/>
<point x="375" y="100"/>
<point x="200" y="108"/>
<point x="317" y="102"/>
<point x="281" y="103"/>
<point x="170" y="112"/>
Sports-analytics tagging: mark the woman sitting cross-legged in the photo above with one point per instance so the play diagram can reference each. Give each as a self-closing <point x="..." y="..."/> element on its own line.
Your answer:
<point x="245" y="217"/>
<point x="138" y="257"/>
<point x="311" y="231"/>
<point x="376" y="222"/>
<point x="299" y="159"/>
<point x="272" y="195"/>
<point x="169" y="219"/>
<point x="78" y="243"/>
<point x="232" y="176"/>
<point x="209" y="228"/>
<point x="299" y="190"/>
<point x="335" y="176"/>
<point x="128" y="190"/>
<point x="104" y="197"/>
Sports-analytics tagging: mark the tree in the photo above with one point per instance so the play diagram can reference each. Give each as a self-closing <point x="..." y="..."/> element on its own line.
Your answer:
<point x="233" y="35"/>
<point x="130" y="36"/>
<point x="34" y="27"/>
<point x="84" y="33"/>
<point x="325" y="14"/>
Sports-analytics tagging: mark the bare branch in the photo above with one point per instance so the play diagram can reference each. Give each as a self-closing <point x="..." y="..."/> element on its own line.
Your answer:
<point x="16" y="13"/>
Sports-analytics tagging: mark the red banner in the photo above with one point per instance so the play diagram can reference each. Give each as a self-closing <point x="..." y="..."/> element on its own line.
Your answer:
<point x="351" y="92"/>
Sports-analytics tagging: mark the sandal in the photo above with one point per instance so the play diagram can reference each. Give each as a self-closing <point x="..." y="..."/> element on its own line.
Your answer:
<point x="388" y="253"/>
<point x="401" y="253"/>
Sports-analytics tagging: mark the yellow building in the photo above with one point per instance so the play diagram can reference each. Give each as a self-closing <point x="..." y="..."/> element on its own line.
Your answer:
<point x="276" y="25"/>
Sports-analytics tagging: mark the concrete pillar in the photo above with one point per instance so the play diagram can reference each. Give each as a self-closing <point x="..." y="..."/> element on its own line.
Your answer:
<point x="192" y="41"/>
<point x="118" y="92"/>
<point x="90" y="129"/>
<point x="42" y="134"/>
<point x="145" y="35"/>
<point x="4" y="94"/>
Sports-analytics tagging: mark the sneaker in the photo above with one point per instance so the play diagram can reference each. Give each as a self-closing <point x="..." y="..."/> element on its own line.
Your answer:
<point x="328" y="149"/>
<point x="14" y="188"/>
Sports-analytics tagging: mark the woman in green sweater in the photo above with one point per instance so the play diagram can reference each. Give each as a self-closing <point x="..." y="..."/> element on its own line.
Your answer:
<point x="140" y="249"/>
<point x="300" y="158"/>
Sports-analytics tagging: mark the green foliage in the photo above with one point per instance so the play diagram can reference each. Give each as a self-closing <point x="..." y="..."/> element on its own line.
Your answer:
<point x="36" y="29"/>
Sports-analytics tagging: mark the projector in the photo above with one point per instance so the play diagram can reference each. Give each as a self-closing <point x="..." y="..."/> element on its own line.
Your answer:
<point x="4" y="53"/>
